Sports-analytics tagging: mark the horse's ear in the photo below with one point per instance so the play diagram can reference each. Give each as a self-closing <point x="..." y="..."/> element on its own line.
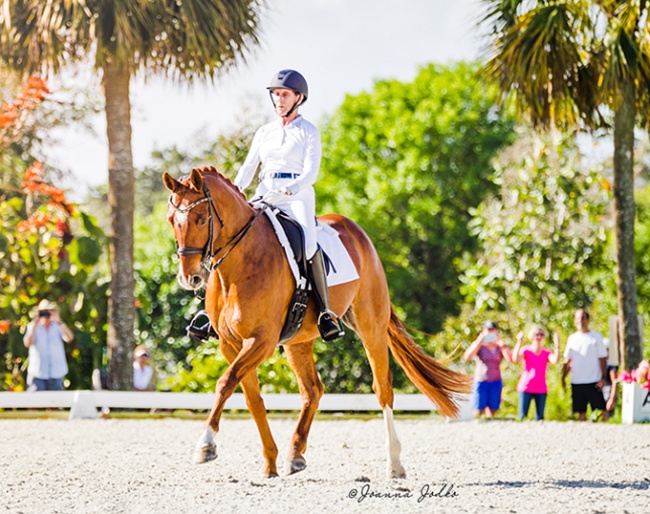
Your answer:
<point x="196" y="180"/>
<point x="170" y="182"/>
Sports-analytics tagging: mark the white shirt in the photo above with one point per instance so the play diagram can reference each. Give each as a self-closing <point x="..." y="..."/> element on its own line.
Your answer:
<point x="141" y="376"/>
<point x="585" y="349"/>
<point x="295" y="148"/>
<point x="46" y="353"/>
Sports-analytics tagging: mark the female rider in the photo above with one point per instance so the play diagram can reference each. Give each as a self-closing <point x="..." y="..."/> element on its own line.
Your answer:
<point x="289" y="151"/>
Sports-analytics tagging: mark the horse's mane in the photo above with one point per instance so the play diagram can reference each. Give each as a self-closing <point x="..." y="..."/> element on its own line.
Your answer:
<point x="212" y="171"/>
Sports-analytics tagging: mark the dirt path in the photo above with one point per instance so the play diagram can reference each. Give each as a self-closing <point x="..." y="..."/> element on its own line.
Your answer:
<point x="144" y="466"/>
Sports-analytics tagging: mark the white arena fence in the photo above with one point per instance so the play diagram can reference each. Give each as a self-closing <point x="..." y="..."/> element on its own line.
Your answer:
<point x="86" y="403"/>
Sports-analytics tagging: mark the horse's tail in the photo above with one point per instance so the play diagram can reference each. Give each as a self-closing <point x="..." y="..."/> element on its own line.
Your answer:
<point x="432" y="378"/>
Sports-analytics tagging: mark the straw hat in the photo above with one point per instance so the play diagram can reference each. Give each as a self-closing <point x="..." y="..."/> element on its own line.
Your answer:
<point x="46" y="305"/>
<point x="141" y="350"/>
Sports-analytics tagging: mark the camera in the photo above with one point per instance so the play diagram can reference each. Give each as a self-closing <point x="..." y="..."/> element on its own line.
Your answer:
<point x="44" y="314"/>
<point x="489" y="337"/>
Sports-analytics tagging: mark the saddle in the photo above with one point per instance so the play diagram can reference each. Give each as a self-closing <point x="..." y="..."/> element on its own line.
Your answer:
<point x="200" y="329"/>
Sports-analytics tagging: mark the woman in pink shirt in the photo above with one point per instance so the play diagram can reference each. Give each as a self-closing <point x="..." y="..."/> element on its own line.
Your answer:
<point x="532" y="384"/>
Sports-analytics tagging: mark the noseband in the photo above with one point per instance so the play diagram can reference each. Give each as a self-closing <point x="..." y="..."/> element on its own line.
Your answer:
<point x="207" y="255"/>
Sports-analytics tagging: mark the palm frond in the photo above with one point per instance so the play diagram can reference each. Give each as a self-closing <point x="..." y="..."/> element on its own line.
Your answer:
<point x="542" y="58"/>
<point x="178" y="38"/>
<point x="33" y="33"/>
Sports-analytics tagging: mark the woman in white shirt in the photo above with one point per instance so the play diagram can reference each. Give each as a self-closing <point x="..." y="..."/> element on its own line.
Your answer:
<point x="289" y="151"/>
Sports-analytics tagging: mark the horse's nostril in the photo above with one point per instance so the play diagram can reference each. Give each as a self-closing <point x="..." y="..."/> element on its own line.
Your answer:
<point x="195" y="280"/>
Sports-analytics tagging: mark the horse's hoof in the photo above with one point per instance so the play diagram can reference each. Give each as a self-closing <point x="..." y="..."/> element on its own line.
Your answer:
<point x="205" y="454"/>
<point x="397" y="473"/>
<point x="295" y="466"/>
<point x="270" y="475"/>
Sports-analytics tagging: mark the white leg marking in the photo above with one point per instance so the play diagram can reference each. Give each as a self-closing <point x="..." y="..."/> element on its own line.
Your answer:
<point x="205" y="449"/>
<point x="206" y="439"/>
<point x="393" y="446"/>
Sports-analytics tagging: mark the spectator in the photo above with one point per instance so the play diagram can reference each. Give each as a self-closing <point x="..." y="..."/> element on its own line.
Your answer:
<point x="585" y="357"/>
<point x="488" y="350"/>
<point x="610" y="389"/>
<point x="44" y="337"/>
<point x="532" y="383"/>
<point x="143" y="373"/>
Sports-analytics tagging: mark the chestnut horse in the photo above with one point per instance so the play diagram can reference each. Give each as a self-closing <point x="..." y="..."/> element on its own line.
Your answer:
<point x="226" y="246"/>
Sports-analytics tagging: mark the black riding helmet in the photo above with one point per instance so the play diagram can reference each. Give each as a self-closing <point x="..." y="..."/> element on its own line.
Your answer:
<point x="292" y="80"/>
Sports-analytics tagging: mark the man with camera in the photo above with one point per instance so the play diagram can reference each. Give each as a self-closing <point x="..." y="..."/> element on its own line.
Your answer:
<point x="44" y="337"/>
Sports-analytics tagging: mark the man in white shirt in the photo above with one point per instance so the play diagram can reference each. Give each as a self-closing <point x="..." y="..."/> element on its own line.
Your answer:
<point x="44" y="337"/>
<point x="585" y="357"/>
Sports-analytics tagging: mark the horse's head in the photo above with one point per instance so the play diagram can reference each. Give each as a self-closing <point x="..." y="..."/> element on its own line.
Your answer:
<point x="196" y="225"/>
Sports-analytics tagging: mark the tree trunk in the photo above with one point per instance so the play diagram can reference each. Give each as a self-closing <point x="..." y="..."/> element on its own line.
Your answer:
<point x="624" y="215"/>
<point x="121" y="310"/>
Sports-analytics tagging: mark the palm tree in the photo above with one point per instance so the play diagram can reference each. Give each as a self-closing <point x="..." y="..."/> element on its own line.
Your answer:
<point x="181" y="39"/>
<point x="565" y="60"/>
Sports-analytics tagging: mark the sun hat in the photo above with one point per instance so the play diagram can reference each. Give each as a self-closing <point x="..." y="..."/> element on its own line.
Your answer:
<point x="141" y="350"/>
<point x="46" y="305"/>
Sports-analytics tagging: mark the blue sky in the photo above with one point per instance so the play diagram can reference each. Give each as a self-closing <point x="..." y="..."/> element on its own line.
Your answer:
<point x="341" y="46"/>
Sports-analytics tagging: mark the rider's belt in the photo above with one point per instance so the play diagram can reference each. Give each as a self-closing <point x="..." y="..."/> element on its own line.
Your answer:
<point x="282" y="175"/>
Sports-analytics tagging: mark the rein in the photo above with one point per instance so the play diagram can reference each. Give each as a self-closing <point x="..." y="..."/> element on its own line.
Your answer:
<point x="207" y="255"/>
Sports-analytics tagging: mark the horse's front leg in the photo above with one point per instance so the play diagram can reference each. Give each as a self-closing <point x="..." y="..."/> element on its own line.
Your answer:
<point x="252" y="354"/>
<point x="301" y="360"/>
<point x="255" y="403"/>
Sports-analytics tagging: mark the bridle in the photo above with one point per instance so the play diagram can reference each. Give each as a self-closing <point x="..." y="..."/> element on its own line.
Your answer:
<point x="206" y="253"/>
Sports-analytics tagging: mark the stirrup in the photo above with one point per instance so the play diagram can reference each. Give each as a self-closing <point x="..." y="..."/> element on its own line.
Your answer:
<point x="328" y="328"/>
<point x="201" y="332"/>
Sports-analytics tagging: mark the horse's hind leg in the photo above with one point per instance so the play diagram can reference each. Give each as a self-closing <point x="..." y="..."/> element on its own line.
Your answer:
<point x="372" y="327"/>
<point x="301" y="360"/>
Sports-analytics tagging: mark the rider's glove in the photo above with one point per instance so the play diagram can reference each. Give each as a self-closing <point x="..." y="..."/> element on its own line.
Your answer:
<point x="286" y="191"/>
<point x="273" y="197"/>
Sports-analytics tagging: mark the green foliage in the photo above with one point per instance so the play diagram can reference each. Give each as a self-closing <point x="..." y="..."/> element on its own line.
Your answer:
<point x="48" y="247"/>
<point x="564" y="61"/>
<point x="164" y="308"/>
<point x="53" y="258"/>
<point x="407" y="161"/>
<point x="543" y="237"/>
<point x="205" y="365"/>
<point x="642" y="249"/>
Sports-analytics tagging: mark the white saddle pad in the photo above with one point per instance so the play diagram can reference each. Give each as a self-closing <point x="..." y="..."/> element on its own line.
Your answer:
<point x="342" y="268"/>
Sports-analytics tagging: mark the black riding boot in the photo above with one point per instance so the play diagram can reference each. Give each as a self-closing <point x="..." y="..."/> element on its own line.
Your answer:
<point x="328" y="326"/>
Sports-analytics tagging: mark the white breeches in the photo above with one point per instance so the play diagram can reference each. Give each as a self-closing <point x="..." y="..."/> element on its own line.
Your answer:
<point x="301" y="207"/>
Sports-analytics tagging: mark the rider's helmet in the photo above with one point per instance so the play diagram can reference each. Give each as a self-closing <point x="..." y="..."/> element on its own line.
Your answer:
<point x="290" y="79"/>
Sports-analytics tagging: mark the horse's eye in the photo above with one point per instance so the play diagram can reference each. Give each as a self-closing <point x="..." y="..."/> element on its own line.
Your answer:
<point x="201" y="221"/>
